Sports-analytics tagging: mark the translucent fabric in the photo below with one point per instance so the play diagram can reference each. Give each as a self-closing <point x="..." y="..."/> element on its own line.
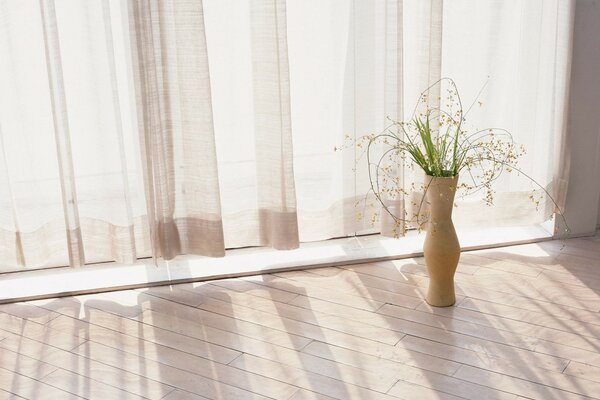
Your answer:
<point x="157" y="128"/>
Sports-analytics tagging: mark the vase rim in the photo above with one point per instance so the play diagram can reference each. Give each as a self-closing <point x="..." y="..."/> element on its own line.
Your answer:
<point x="442" y="177"/>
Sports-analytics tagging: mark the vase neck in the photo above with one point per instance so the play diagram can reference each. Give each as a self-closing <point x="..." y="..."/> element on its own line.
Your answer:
<point x="440" y="196"/>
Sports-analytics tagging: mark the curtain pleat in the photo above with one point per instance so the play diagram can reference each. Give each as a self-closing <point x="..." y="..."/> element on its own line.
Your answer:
<point x="425" y="42"/>
<point x="7" y="192"/>
<point x="62" y="133"/>
<point x="277" y="218"/>
<point x="561" y="74"/>
<point x="123" y="252"/>
<point x="434" y="50"/>
<point x="394" y="107"/>
<point x="176" y="129"/>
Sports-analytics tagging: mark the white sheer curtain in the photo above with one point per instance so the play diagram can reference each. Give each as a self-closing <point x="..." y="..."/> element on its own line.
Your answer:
<point x="72" y="187"/>
<point x="155" y="128"/>
<point x="354" y="63"/>
<point x="250" y="78"/>
<point x="522" y="50"/>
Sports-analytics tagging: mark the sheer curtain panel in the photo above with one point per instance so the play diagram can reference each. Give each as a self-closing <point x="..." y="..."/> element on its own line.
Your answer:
<point x="71" y="182"/>
<point x="174" y="114"/>
<point x="132" y="129"/>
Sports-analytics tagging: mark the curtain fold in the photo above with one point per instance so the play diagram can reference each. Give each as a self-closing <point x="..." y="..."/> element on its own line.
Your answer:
<point x="13" y="241"/>
<point x="422" y="44"/>
<point x="521" y="59"/>
<point x="126" y="252"/>
<point x="248" y="57"/>
<point x="176" y="129"/>
<point x="276" y="195"/>
<point x="562" y="152"/>
<point x="62" y="133"/>
<point x="393" y="107"/>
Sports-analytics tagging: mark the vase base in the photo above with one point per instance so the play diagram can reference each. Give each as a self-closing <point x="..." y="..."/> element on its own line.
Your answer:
<point x="440" y="305"/>
<point x="440" y="292"/>
<point x="441" y="301"/>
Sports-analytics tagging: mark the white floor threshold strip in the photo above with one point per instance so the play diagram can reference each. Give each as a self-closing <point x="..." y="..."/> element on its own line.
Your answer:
<point x="56" y="282"/>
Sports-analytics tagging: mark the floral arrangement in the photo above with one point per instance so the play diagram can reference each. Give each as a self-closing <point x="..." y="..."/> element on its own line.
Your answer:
<point x="436" y="140"/>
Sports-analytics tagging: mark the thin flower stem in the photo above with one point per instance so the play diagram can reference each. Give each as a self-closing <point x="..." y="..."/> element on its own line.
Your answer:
<point x="434" y="140"/>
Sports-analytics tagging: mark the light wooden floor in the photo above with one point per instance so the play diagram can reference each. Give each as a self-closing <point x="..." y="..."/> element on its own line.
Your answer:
<point x="526" y="325"/>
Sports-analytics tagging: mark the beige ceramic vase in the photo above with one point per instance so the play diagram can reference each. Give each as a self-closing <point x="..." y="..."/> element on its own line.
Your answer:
<point x="441" y="248"/>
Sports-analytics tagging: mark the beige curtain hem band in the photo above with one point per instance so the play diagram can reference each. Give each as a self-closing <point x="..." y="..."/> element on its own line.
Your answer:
<point x="279" y="230"/>
<point x="190" y="236"/>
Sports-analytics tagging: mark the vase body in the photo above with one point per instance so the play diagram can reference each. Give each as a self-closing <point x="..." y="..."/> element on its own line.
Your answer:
<point x="442" y="250"/>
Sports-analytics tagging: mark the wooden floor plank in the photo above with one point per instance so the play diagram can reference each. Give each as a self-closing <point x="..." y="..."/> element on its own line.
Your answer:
<point x="521" y="328"/>
<point x="491" y="266"/>
<point x="526" y="326"/>
<point x="515" y="385"/>
<point x="403" y="320"/>
<point x="409" y="285"/>
<point x="26" y="311"/>
<point x="395" y="359"/>
<point x="174" y="349"/>
<point x="583" y="371"/>
<point x="38" y="332"/>
<point x="32" y="352"/>
<point x="522" y="370"/>
<point x="487" y="293"/>
<point x="222" y="327"/>
<point x="118" y="332"/>
<point x="4" y="395"/>
<point x="30" y="367"/>
<point x="228" y="298"/>
<point x="502" y="283"/>
<point x="85" y="387"/>
<point x="559" y="322"/>
<point x="481" y="358"/>
<point x="273" y="352"/>
<point x="29" y="388"/>
<point x="435" y="382"/>
<point x="372" y="298"/>
<point x="302" y="394"/>
<point x="189" y="377"/>
<point x="534" y="255"/>
<point x="307" y="380"/>
<point x="348" y="297"/>
<point x="181" y="395"/>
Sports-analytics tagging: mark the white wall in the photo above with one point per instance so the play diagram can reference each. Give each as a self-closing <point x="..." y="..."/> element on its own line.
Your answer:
<point x="583" y="127"/>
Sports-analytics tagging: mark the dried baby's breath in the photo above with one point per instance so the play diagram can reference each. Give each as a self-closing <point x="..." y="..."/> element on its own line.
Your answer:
<point x="437" y="140"/>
